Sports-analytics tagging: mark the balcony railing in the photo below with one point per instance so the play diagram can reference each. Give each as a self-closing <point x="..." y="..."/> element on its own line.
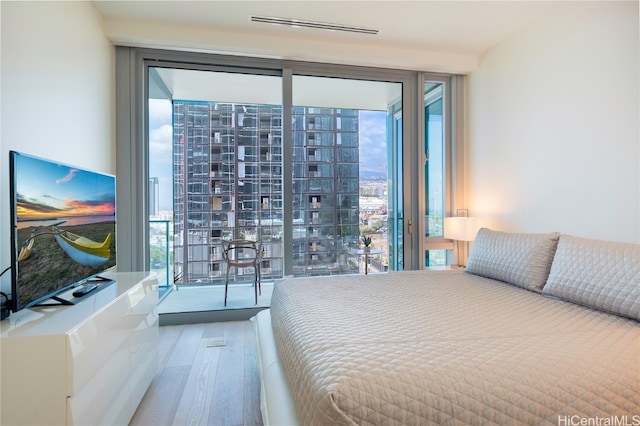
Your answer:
<point x="160" y="252"/>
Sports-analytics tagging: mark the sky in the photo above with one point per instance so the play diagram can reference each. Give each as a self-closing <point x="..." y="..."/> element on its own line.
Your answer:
<point x="47" y="189"/>
<point x="372" y="140"/>
<point x="161" y="150"/>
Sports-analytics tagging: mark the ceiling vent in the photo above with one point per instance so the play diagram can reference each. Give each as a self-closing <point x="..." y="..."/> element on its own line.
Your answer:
<point x="298" y="23"/>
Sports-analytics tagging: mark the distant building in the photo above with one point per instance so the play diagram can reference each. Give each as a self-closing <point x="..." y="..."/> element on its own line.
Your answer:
<point x="154" y="197"/>
<point x="229" y="184"/>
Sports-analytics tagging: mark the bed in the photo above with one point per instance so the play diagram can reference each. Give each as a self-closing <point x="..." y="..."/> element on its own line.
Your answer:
<point x="539" y="329"/>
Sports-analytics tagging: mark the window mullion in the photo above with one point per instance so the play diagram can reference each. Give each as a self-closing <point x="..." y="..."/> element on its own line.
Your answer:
<point x="287" y="168"/>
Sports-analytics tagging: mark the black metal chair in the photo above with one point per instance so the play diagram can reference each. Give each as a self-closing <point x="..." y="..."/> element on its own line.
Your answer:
<point x="243" y="254"/>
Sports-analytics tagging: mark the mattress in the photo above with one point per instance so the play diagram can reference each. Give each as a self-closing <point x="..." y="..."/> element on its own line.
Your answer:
<point x="449" y="347"/>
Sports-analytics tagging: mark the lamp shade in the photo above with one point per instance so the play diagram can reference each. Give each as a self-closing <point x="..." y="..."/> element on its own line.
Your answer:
<point x="461" y="228"/>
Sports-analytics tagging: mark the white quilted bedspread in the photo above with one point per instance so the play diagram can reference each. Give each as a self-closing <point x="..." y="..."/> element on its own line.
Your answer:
<point x="448" y="347"/>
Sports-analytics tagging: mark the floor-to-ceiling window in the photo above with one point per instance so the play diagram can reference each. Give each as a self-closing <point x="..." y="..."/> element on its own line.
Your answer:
<point x="306" y="158"/>
<point x="215" y="147"/>
<point x="216" y="163"/>
<point x="442" y="164"/>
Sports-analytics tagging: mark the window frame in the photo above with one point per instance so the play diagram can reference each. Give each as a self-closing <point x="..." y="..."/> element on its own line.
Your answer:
<point x="132" y="142"/>
<point x="453" y="125"/>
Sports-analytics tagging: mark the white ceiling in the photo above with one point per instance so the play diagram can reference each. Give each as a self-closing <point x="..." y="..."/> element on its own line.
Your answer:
<point x="457" y="26"/>
<point x="445" y="30"/>
<point x="447" y="36"/>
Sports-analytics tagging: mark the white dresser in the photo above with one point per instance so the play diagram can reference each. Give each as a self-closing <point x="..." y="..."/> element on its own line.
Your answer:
<point x="86" y="364"/>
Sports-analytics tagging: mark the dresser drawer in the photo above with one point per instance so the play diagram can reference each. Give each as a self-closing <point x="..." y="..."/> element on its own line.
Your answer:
<point x="105" y="393"/>
<point x="93" y="342"/>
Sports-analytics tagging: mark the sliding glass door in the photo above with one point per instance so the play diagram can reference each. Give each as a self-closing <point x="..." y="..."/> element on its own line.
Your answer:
<point x="216" y="172"/>
<point x="340" y="174"/>
<point x="217" y="159"/>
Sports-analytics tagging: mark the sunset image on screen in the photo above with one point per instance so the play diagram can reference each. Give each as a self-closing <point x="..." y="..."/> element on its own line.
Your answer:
<point x="52" y="191"/>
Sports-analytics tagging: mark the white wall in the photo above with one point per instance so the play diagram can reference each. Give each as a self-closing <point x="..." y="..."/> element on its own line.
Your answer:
<point x="553" y="136"/>
<point x="57" y="88"/>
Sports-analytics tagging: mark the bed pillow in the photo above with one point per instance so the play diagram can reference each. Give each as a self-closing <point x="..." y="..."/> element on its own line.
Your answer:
<point x="523" y="260"/>
<point x="600" y="274"/>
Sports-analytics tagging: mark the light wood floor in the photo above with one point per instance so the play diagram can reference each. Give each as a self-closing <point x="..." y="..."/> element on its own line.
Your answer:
<point x="201" y="382"/>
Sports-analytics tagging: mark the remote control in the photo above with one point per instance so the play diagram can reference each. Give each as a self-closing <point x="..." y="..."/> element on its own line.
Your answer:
<point x="82" y="290"/>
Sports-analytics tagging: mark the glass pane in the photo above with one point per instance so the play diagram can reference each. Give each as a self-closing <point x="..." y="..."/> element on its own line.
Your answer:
<point x="396" y="195"/>
<point x="216" y="154"/>
<point x="435" y="164"/>
<point x="160" y="192"/>
<point x="437" y="257"/>
<point x="160" y="250"/>
<point x="340" y="176"/>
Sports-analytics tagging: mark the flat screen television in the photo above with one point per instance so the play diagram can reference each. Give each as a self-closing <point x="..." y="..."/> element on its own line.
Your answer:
<point x="63" y="229"/>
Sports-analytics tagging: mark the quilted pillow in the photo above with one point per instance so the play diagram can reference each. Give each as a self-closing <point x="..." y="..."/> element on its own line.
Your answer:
<point x="600" y="274"/>
<point x="523" y="260"/>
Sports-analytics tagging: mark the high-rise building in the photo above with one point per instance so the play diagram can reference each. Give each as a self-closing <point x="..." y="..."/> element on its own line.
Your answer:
<point x="229" y="184"/>
<point x="325" y="189"/>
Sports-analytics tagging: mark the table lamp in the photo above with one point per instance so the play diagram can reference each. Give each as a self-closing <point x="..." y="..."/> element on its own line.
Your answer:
<point x="461" y="228"/>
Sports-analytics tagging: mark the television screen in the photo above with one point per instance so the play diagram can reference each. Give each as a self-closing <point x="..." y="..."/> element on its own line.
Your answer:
<point x="63" y="227"/>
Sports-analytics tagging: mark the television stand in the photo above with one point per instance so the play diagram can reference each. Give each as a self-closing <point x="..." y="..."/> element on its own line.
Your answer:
<point x="86" y="364"/>
<point x="83" y="289"/>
